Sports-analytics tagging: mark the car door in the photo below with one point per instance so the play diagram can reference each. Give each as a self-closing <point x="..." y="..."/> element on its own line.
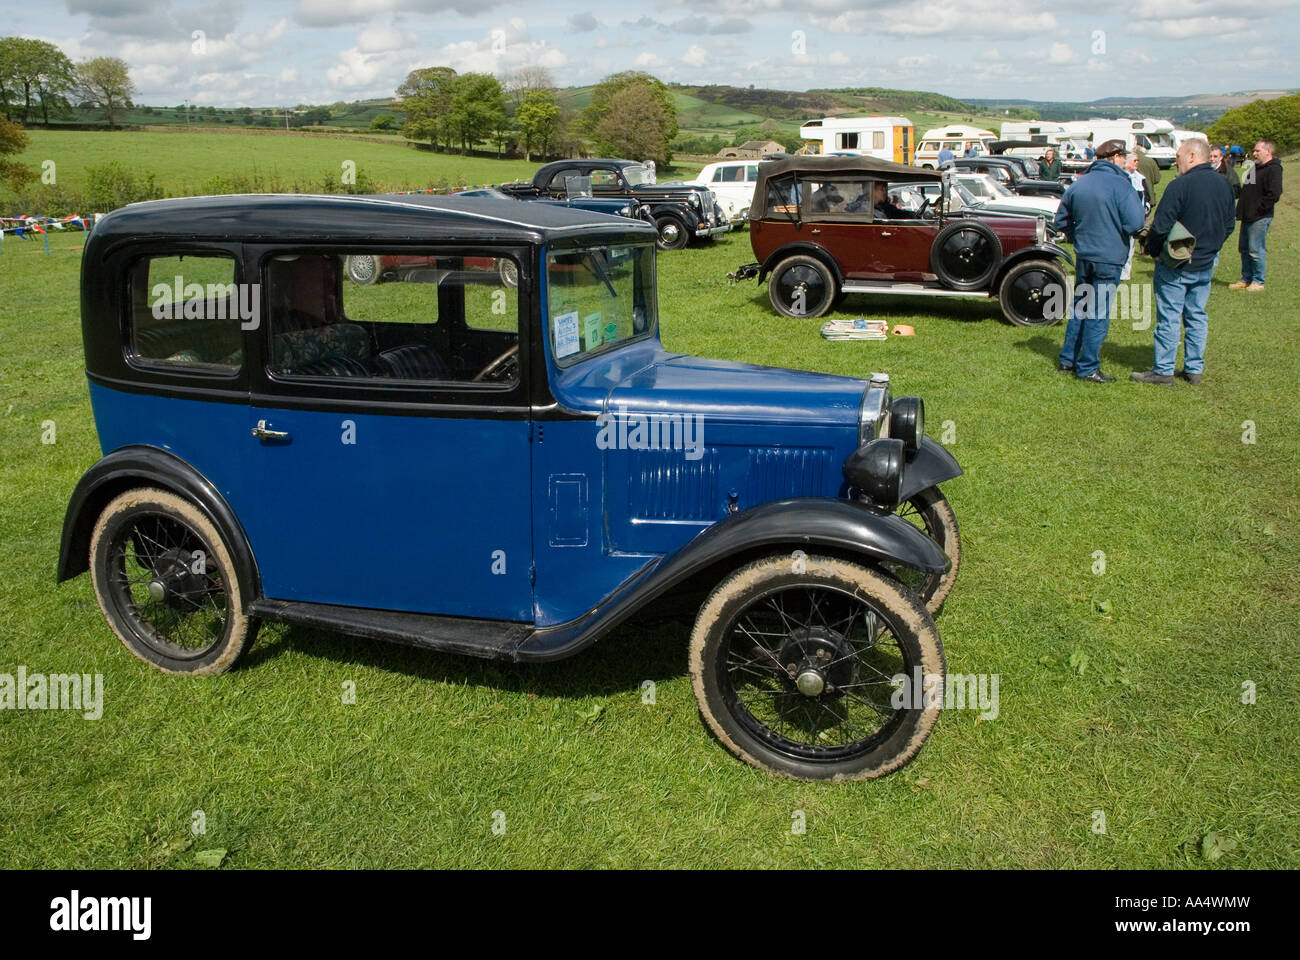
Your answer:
<point x="866" y="248"/>
<point x="389" y="434"/>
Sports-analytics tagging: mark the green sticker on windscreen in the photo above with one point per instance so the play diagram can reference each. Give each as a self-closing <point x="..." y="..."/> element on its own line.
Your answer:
<point x="592" y="330"/>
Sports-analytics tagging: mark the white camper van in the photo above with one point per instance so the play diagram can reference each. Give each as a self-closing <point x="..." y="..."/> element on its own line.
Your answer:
<point x="957" y="138"/>
<point x="1155" y="136"/>
<point x="886" y="138"/>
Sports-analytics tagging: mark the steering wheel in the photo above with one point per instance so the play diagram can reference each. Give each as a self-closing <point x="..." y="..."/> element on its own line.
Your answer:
<point x="926" y="210"/>
<point x="494" y="370"/>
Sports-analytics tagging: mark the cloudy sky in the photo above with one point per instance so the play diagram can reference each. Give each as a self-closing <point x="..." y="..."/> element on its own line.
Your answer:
<point x="271" y="52"/>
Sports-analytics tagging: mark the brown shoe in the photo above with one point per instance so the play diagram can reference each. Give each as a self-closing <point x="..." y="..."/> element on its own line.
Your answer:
<point x="1255" y="288"/>
<point x="1238" y="285"/>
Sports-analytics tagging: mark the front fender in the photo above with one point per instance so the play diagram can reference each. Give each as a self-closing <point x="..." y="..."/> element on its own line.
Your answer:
<point x="146" y="466"/>
<point x="929" y="466"/>
<point x="806" y="523"/>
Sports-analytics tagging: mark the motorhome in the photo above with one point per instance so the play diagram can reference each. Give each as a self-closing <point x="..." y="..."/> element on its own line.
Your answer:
<point x="1039" y="131"/>
<point x="1155" y="136"/>
<point x="1182" y="136"/>
<point x="957" y="137"/>
<point x="886" y="138"/>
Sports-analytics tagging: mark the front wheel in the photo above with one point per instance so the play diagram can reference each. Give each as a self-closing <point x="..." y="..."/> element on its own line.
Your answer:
<point x="808" y="667"/>
<point x="930" y="511"/>
<point x="802" y="287"/>
<point x="166" y="584"/>
<point x="1033" y="294"/>
<point x="673" y="234"/>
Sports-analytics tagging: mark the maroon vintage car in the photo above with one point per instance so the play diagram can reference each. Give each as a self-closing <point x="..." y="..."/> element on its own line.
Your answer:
<point x="825" y="227"/>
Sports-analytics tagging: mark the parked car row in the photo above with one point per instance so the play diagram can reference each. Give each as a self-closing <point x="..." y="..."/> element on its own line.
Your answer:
<point x="681" y="212"/>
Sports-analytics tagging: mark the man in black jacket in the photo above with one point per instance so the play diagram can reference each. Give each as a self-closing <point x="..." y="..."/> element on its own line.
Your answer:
<point x="1201" y="200"/>
<point x="1261" y="186"/>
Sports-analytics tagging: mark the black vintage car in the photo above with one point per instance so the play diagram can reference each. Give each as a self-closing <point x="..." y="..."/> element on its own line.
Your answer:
<point x="680" y="210"/>
<point x="1012" y="172"/>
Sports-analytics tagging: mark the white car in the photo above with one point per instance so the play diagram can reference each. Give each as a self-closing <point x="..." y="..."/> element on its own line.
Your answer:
<point x="732" y="183"/>
<point x="988" y="194"/>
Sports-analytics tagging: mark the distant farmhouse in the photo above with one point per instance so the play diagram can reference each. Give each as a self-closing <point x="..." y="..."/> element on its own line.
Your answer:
<point x="751" y="150"/>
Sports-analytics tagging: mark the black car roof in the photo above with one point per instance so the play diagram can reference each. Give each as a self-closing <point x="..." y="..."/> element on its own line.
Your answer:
<point x="359" y="218"/>
<point x="815" y="165"/>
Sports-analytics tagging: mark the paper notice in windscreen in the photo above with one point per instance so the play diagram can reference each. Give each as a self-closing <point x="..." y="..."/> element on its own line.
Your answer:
<point x="592" y="330"/>
<point x="566" y="334"/>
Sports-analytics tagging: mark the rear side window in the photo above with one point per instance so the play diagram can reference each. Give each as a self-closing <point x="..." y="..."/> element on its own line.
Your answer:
<point x="394" y="315"/>
<point x="189" y="311"/>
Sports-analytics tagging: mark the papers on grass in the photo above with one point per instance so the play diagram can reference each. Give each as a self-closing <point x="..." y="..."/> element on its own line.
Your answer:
<point x="855" y="329"/>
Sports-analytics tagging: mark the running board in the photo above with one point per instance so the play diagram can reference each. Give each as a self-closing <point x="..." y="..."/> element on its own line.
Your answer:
<point x="491" y="639"/>
<point x="912" y="289"/>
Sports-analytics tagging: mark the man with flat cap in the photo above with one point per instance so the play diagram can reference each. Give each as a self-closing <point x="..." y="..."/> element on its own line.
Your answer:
<point x="1099" y="213"/>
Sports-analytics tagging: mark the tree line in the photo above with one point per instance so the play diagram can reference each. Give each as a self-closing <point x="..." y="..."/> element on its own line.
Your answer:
<point x="631" y="114"/>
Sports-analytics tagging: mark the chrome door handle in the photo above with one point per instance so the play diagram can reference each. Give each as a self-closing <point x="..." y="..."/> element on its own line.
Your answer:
<point x="816" y="230"/>
<point x="885" y="233"/>
<point x="263" y="432"/>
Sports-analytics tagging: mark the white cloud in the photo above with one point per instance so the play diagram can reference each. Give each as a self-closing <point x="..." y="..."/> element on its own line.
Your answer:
<point x="647" y="60"/>
<point x="695" y="55"/>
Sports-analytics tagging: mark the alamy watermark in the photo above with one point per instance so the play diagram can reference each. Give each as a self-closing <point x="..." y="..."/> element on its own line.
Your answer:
<point x="55" y="691"/>
<point x="652" y="431"/>
<point x="961" y="691"/>
<point x="179" y="300"/>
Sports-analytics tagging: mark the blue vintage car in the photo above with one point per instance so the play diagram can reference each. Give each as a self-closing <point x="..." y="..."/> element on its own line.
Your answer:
<point x="510" y="471"/>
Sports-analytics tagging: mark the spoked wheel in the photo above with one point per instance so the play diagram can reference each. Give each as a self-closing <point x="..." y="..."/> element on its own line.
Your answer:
<point x="929" y="510"/>
<point x="364" y="270"/>
<point x="165" y="582"/>
<point x="802" y="287"/>
<point x="796" y="663"/>
<point x="508" y="271"/>
<point x="1033" y="294"/>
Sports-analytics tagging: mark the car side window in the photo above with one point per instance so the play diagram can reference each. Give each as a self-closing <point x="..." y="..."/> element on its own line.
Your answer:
<point x="604" y="179"/>
<point x="751" y="172"/>
<point x="392" y="315"/>
<point x="848" y="199"/>
<point x="188" y="311"/>
<point x="717" y="174"/>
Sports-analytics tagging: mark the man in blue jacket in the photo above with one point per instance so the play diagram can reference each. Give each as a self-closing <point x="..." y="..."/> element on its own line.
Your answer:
<point x="1099" y="214"/>
<point x="1201" y="200"/>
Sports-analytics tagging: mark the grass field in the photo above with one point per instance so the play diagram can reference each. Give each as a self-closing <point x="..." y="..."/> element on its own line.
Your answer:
<point x="1120" y="692"/>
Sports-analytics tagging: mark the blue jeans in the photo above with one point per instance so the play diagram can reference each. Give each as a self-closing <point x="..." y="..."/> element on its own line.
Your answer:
<point x="1250" y="241"/>
<point x="1094" y="297"/>
<point x="1181" y="296"/>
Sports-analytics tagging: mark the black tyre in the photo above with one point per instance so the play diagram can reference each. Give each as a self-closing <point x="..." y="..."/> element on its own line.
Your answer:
<point x="673" y="234"/>
<point x="965" y="255"/>
<point x="802" y="287"/>
<point x="930" y="511"/>
<point x="165" y="583"/>
<point x="796" y="662"/>
<point x="363" y="270"/>
<point x="1033" y="294"/>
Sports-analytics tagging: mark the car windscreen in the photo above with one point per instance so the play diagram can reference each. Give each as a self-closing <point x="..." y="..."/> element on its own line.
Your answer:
<point x="636" y="175"/>
<point x="598" y="298"/>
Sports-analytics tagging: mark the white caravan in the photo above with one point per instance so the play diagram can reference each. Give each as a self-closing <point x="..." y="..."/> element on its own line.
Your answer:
<point x="886" y="138"/>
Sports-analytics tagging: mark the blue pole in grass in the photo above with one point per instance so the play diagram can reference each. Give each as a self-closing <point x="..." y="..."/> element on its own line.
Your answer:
<point x="47" y="239"/>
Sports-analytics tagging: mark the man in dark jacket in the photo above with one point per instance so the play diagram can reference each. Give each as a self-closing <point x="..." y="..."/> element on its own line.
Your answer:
<point x="1049" y="168"/>
<point x="1099" y="214"/>
<point x="1201" y="200"/>
<point x="1221" y="165"/>
<point x="1261" y="186"/>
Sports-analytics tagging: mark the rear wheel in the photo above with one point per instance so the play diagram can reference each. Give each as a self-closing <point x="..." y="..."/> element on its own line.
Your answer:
<point x="802" y="287"/>
<point x="1033" y="294"/>
<point x="797" y="663"/>
<point x="165" y="582"/>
